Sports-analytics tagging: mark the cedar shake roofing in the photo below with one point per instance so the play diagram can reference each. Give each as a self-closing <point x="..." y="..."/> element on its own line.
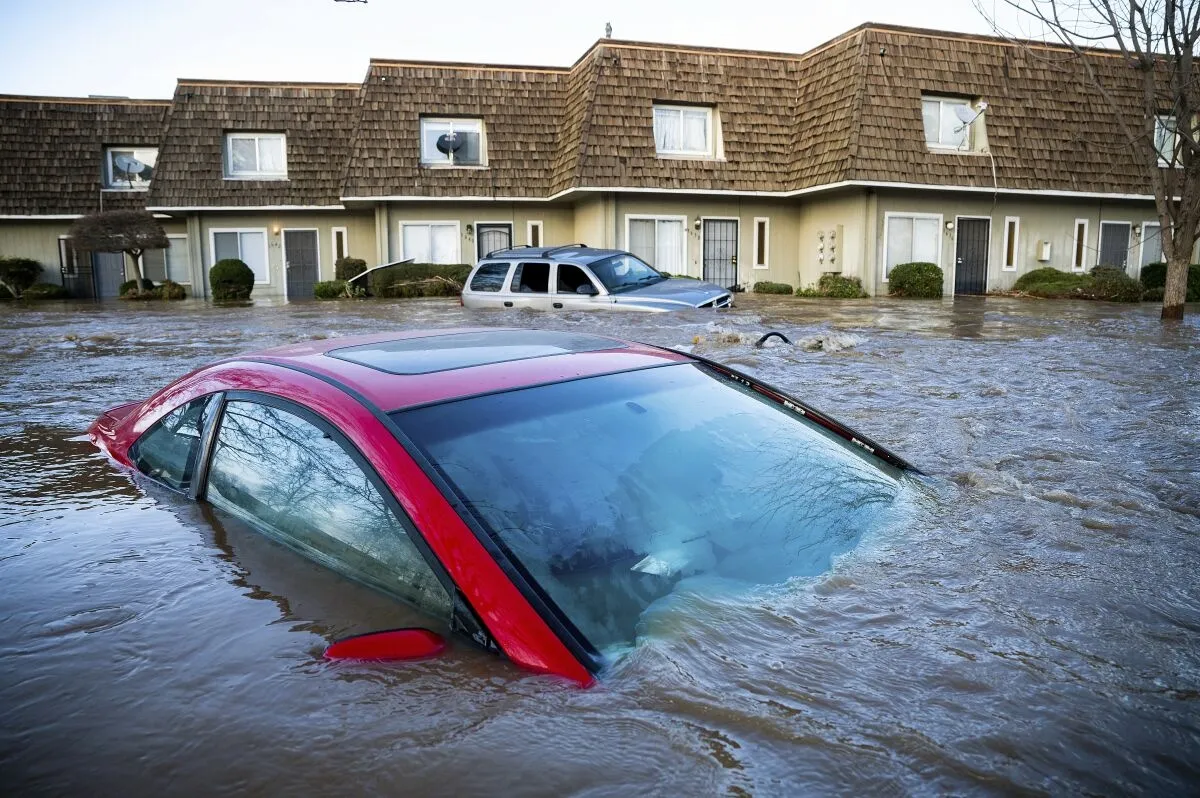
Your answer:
<point x="316" y="118"/>
<point x="52" y="151"/>
<point x="841" y="112"/>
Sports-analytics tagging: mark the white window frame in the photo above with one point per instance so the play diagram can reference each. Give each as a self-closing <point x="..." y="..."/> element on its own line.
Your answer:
<point x="709" y="154"/>
<point x="62" y="261"/>
<point x="529" y="227"/>
<point x="109" y="184"/>
<point x="259" y="174"/>
<point x="1076" y="249"/>
<point x="766" y="244"/>
<point x="1128" y="236"/>
<point x="887" y="219"/>
<point x="167" y="262"/>
<point x="212" y="246"/>
<point x="425" y="223"/>
<point x="1160" y="122"/>
<point x="969" y="145"/>
<point x="656" y="217"/>
<point x="1016" y="245"/>
<point x="1142" y="234"/>
<point x="333" y="234"/>
<point x="476" y="122"/>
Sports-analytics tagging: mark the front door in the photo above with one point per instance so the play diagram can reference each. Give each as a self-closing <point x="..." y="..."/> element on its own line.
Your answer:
<point x="300" y="262"/>
<point x="1114" y="244"/>
<point x="491" y="237"/>
<point x="971" y="256"/>
<point x="720" y="252"/>
<point x="108" y="270"/>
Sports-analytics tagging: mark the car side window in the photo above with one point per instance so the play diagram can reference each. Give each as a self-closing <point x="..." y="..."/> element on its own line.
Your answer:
<point x="570" y="278"/>
<point x="290" y="478"/>
<point x="169" y="450"/>
<point x="489" y="277"/>
<point x="531" y="278"/>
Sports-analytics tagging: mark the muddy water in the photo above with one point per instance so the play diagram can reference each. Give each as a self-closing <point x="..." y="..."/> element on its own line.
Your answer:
<point x="1032" y="626"/>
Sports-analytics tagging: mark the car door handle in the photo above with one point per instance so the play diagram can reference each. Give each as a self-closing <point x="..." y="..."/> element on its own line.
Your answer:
<point x="558" y="304"/>
<point x="508" y="304"/>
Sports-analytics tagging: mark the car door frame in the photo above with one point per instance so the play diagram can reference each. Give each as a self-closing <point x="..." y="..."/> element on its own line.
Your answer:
<point x="574" y="301"/>
<point x="534" y="301"/>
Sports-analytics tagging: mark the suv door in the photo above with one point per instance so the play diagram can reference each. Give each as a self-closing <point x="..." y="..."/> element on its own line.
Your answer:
<point x="529" y="286"/>
<point x="485" y="289"/>
<point x="568" y="278"/>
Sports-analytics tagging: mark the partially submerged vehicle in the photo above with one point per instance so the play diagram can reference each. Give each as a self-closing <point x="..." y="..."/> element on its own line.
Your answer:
<point x="532" y="491"/>
<point x="578" y="277"/>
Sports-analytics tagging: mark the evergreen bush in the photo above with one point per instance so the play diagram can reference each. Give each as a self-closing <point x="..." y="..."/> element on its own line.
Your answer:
<point x="766" y="287"/>
<point x="410" y="280"/>
<point x="130" y="287"/>
<point x="17" y="274"/>
<point x="345" y="268"/>
<point x="916" y="281"/>
<point x="231" y="280"/>
<point x="170" y="290"/>
<point x="330" y="289"/>
<point x="44" y="291"/>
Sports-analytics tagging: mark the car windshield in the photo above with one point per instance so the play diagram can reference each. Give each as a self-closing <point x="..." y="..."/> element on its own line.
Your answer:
<point x="624" y="272"/>
<point x="611" y="492"/>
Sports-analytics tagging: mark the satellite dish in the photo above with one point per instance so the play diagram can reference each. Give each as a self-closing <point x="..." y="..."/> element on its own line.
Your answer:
<point x="129" y="165"/>
<point x="449" y="142"/>
<point x="965" y="113"/>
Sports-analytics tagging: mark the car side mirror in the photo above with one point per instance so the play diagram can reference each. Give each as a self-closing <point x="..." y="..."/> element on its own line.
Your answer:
<point x="587" y="289"/>
<point x="390" y="645"/>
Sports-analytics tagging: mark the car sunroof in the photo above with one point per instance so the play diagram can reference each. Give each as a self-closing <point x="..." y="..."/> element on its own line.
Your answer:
<point x="463" y="350"/>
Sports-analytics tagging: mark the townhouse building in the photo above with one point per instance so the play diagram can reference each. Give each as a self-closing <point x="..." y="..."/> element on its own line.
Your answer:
<point x="885" y="145"/>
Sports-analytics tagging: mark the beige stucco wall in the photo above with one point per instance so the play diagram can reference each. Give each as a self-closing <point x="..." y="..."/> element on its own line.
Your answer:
<point x="830" y="237"/>
<point x="1041" y="219"/>
<point x="558" y="222"/>
<point x="360" y="232"/>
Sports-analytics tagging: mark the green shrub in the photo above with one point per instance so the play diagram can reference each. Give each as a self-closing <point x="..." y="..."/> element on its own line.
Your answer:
<point x="1153" y="294"/>
<point x="916" y="280"/>
<point x="345" y="268"/>
<point x="766" y="287"/>
<point x="410" y="280"/>
<point x="17" y="274"/>
<point x="1114" y="285"/>
<point x="44" y="291"/>
<point x="330" y="289"/>
<point x="835" y="286"/>
<point x="1154" y="275"/>
<point x="231" y="280"/>
<point x="170" y="290"/>
<point x="130" y="286"/>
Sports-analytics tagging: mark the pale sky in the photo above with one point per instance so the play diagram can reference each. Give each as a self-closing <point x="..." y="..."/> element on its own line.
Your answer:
<point x="137" y="48"/>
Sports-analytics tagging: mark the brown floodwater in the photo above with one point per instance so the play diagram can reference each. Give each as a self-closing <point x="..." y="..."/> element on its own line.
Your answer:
<point x="1030" y="624"/>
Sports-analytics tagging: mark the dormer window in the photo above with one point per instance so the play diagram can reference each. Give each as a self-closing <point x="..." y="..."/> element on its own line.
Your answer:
<point x="685" y="131"/>
<point x="255" y="156"/>
<point x="952" y="123"/>
<point x="129" y="168"/>
<point x="452" y="142"/>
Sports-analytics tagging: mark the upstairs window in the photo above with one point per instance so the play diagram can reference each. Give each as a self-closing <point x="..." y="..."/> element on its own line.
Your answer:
<point x="256" y="156"/>
<point x="452" y="142"/>
<point x="1166" y="140"/>
<point x="951" y="123"/>
<point x="685" y="131"/>
<point x="129" y="168"/>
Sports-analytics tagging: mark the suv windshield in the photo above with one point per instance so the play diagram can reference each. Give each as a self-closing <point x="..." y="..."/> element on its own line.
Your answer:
<point x="613" y="491"/>
<point x="624" y="272"/>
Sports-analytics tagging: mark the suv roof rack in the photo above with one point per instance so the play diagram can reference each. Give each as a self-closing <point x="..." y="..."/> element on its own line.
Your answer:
<point x="545" y="253"/>
<point x="496" y="252"/>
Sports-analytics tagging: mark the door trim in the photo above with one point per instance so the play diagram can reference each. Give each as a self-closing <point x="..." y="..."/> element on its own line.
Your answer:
<point x="737" y="220"/>
<point x="283" y="254"/>
<point x="987" y="260"/>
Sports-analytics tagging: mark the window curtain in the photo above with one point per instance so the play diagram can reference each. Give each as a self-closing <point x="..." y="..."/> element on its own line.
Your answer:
<point x="669" y="246"/>
<point x="1151" y="244"/>
<point x="641" y="240"/>
<point x="695" y="131"/>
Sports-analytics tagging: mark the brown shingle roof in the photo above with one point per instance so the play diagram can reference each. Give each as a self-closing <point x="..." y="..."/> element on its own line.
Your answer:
<point x="52" y="151"/>
<point x="317" y="118"/>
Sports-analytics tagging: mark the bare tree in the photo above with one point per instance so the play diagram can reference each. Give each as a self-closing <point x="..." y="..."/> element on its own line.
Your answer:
<point x="131" y="232"/>
<point x="1154" y="98"/>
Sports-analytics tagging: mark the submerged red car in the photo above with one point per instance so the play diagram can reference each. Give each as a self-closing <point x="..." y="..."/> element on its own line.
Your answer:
<point x="534" y="492"/>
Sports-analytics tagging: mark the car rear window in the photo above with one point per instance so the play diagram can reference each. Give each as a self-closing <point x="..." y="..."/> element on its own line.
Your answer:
<point x="489" y="277"/>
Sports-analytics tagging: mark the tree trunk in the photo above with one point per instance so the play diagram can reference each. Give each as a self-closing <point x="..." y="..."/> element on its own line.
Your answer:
<point x="1175" y="290"/>
<point x="137" y="263"/>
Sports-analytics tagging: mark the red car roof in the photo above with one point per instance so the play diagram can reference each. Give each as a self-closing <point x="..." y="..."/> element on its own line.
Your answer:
<point x="397" y="370"/>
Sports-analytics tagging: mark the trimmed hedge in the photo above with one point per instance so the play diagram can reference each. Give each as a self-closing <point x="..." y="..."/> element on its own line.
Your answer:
<point x="231" y="280"/>
<point x="410" y="280"/>
<point x="766" y="287"/>
<point x="1103" y="283"/>
<point x="1114" y="285"/>
<point x="1154" y="277"/>
<point x="915" y="281"/>
<point x="18" y="274"/>
<point x="44" y="291"/>
<point x="345" y="268"/>
<point x="170" y="290"/>
<point x="834" y="286"/>
<point x="330" y="289"/>
<point x="130" y="286"/>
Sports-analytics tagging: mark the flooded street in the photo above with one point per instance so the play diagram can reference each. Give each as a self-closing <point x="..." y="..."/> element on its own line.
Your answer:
<point x="1032" y="626"/>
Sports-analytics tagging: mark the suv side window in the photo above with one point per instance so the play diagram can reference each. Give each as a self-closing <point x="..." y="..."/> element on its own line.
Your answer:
<point x="290" y="478"/>
<point x="570" y="278"/>
<point x="531" y="278"/>
<point x="489" y="277"/>
<point x="169" y="450"/>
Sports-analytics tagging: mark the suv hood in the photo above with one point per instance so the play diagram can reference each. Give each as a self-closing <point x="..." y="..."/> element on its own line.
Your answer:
<point x="673" y="290"/>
